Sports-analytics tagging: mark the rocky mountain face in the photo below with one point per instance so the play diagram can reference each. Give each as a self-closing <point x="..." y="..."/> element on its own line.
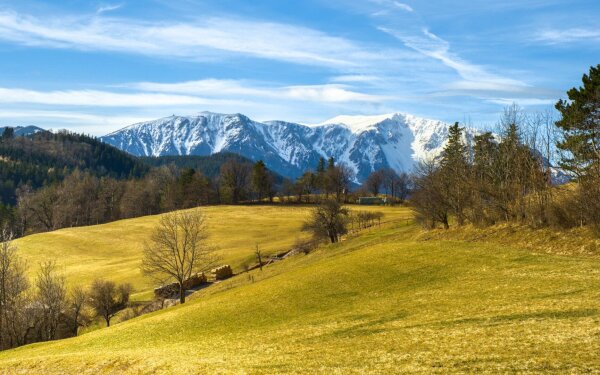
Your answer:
<point x="364" y="143"/>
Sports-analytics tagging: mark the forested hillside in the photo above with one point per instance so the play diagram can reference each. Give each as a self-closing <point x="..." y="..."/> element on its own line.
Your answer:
<point x="44" y="158"/>
<point x="209" y="166"/>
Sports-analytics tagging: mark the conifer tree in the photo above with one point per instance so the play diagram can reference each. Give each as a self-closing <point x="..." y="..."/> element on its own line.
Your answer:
<point x="455" y="170"/>
<point x="580" y="125"/>
<point x="261" y="180"/>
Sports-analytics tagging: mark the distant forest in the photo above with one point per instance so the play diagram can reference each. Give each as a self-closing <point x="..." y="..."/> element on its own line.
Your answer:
<point x="51" y="181"/>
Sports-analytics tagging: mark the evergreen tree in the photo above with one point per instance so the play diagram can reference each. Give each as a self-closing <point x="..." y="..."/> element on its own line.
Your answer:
<point x="455" y="173"/>
<point x="8" y="133"/>
<point x="261" y="180"/>
<point x="484" y="162"/>
<point x="330" y="163"/>
<point x="321" y="176"/>
<point x="321" y="165"/>
<point x="580" y="125"/>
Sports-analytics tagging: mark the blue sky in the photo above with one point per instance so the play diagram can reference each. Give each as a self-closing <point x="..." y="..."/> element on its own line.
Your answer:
<point x="95" y="66"/>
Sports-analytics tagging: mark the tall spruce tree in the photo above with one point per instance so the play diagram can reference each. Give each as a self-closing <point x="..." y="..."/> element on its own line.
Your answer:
<point x="455" y="172"/>
<point x="321" y="176"/>
<point x="261" y="180"/>
<point x="580" y="125"/>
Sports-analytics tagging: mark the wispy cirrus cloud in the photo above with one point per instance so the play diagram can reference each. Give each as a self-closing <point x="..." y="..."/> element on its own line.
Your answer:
<point x="437" y="48"/>
<point x="204" y="39"/>
<point x="390" y="5"/>
<point x="330" y="93"/>
<point x="96" y="98"/>
<point x="108" y="8"/>
<point x="570" y="35"/>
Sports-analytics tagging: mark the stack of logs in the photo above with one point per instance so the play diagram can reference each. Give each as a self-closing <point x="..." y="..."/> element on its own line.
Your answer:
<point x="222" y="273"/>
<point x="172" y="290"/>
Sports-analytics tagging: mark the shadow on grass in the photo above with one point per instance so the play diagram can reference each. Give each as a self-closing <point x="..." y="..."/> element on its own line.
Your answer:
<point x="500" y="319"/>
<point x="364" y="328"/>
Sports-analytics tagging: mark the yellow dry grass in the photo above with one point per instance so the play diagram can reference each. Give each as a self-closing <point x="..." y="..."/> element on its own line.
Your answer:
<point x="114" y="250"/>
<point x="383" y="301"/>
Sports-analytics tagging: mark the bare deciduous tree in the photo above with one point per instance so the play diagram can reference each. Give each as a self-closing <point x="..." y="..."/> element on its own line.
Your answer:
<point x="178" y="249"/>
<point x="77" y="312"/>
<point x="328" y="220"/>
<point x="258" y="254"/>
<point x="51" y="300"/>
<point x="107" y="299"/>
<point x="13" y="287"/>
<point x="235" y="179"/>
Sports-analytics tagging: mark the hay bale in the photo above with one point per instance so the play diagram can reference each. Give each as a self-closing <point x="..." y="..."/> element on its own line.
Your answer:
<point x="222" y="272"/>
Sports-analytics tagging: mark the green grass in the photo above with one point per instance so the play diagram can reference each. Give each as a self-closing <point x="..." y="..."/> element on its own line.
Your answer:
<point x="384" y="301"/>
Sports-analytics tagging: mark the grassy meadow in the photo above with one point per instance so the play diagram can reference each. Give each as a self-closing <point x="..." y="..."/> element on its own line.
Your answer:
<point x="387" y="300"/>
<point x="114" y="250"/>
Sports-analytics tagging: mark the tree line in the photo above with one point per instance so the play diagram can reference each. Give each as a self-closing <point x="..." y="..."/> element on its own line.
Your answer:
<point x="83" y="198"/>
<point x="509" y="177"/>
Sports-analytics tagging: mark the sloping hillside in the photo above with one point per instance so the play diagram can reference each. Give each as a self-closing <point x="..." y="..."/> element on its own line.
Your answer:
<point x="383" y="302"/>
<point x="114" y="250"/>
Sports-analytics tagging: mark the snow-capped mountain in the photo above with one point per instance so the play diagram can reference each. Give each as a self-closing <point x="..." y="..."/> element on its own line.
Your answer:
<point x="365" y="143"/>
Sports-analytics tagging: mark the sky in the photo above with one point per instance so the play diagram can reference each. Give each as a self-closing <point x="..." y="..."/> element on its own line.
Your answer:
<point x="98" y="66"/>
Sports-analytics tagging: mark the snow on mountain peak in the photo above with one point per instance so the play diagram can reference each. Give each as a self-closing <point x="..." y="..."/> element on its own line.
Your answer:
<point x="365" y="143"/>
<point x="358" y="123"/>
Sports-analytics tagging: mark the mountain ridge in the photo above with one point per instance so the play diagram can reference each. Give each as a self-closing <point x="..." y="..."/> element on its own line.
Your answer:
<point x="364" y="143"/>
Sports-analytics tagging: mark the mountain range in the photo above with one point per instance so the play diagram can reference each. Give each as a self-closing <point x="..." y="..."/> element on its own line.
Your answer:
<point x="364" y="143"/>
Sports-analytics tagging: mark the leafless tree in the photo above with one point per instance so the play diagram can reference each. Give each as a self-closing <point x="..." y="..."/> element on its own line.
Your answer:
<point x="428" y="199"/>
<point x="107" y="299"/>
<point x="77" y="312"/>
<point x="258" y="254"/>
<point x="13" y="287"/>
<point x="235" y="179"/>
<point x="178" y="249"/>
<point x="339" y="178"/>
<point x="374" y="182"/>
<point x="51" y="300"/>
<point x="328" y="220"/>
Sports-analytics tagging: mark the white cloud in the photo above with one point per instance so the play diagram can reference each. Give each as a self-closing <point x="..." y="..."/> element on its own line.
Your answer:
<point x="356" y="78"/>
<point x="568" y="35"/>
<point x="403" y="6"/>
<point x="523" y="101"/>
<point x="208" y="87"/>
<point x="83" y="122"/>
<point x="330" y="93"/>
<point x="94" y="98"/>
<point x="474" y="77"/>
<point x="108" y="8"/>
<point x="199" y="40"/>
<point x="392" y="5"/>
